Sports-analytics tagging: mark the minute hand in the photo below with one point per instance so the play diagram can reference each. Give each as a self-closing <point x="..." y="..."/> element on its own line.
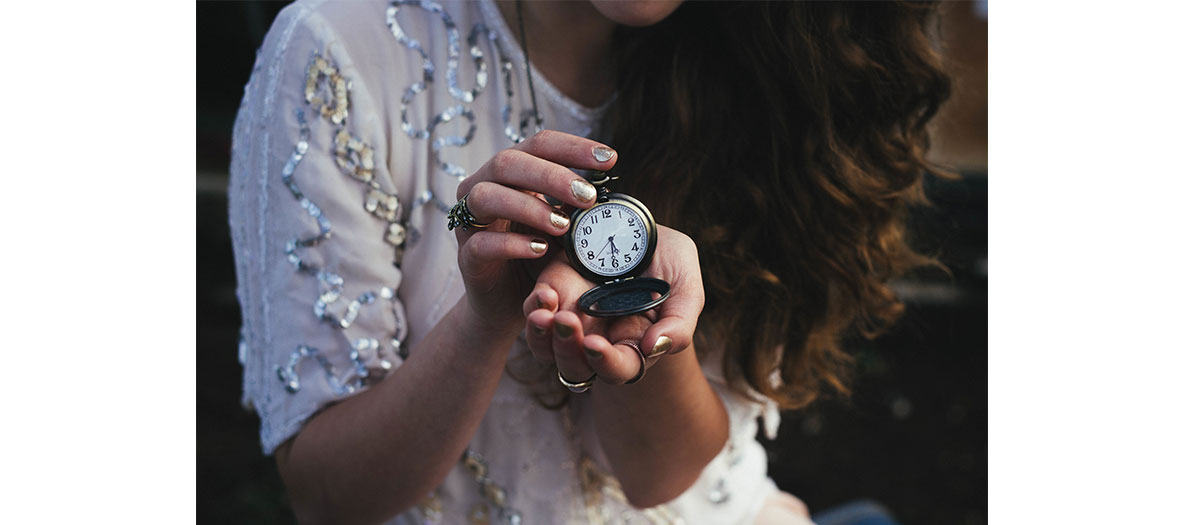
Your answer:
<point x="610" y="241"/>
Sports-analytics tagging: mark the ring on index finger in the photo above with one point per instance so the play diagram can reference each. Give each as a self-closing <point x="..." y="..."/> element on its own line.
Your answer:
<point x="460" y="215"/>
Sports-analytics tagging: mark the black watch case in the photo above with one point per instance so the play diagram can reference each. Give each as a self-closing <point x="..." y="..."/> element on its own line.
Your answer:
<point x="626" y="293"/>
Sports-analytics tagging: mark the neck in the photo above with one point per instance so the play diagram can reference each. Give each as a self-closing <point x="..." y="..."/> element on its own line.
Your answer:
<point x="569" y="43"/>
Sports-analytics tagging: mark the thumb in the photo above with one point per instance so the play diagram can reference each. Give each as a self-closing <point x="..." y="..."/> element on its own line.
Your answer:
<point x="668" y="336"/>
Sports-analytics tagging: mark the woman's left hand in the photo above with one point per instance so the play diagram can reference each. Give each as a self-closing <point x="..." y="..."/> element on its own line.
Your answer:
<point x="583" y="346"/>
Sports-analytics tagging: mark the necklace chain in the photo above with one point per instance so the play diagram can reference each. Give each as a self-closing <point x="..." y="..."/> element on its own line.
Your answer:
<point x="528" y="65"/>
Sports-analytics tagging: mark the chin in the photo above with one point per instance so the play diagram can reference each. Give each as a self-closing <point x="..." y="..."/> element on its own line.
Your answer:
<point x="636" y="13"/>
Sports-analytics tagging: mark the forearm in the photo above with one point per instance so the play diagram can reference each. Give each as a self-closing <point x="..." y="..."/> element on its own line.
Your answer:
<point x="658" y="434"/>
<point x="376" y="454"/>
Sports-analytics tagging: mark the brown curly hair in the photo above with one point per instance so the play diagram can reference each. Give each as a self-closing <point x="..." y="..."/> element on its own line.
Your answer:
<point x="788" y="139"/>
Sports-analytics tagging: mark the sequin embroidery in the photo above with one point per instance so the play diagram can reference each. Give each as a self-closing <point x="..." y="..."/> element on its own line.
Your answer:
<point x="362" y="350"/>
<point x="495" y="497"/>
<point x="328" y="91"/>
<point x="354" y="156"/>
<point x="324" y="85"/>
<point x="430" y="130"/>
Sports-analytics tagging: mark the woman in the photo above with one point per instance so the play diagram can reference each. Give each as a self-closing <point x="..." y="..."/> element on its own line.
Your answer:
<point x="394" y="384"/>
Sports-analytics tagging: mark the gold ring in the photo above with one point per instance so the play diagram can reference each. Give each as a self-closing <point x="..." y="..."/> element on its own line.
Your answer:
<point x="577" y="388"/>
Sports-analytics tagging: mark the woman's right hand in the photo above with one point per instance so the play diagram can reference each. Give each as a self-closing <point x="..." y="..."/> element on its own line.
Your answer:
<point x="507" y="193"/>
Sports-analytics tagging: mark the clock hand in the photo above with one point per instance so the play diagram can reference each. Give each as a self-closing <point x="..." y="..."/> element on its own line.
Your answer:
<point x="608" y="241"/>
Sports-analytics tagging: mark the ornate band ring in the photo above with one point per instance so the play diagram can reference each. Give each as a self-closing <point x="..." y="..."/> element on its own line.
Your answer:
<point x="634" y="345"/>
<point x="460" y="215"/>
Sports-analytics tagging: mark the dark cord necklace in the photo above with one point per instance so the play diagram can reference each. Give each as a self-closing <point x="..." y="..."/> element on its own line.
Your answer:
<point x="528" y="65"/>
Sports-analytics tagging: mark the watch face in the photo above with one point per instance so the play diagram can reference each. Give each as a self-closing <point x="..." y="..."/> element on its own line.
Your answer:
<point x="610" y="239"/>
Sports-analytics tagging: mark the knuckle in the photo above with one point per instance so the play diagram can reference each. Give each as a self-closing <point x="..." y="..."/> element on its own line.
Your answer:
<point x="556" y="177"/>
<point x="480" y="192"/>
<point x="544" y="136"/>
<point x="464" y="187"/>
<point x="502" y="161"/>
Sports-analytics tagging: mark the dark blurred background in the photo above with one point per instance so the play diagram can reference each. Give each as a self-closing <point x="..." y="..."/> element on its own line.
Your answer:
<point x="913" y="436"/>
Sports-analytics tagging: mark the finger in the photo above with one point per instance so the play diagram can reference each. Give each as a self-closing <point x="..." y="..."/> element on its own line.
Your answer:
<point x="615" y="364"/>
<point x="489" y="201"/>
<point x="569" y="150"/>
<point x="484" y="246"/>
<point x="677" y="320"/>
<point x="539" y="335"/>
<point x="542" y="298"/>
<point x="566" y="283"/>
<point x="567" y="347"/>
<point x="669" y="335"/>
<point x="521" y="170"/>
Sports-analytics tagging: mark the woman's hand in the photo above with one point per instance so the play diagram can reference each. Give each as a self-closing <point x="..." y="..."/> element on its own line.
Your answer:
<point x="582" y="345"/>
<point x="505" y="192"/>
<point x="635" y="422"/>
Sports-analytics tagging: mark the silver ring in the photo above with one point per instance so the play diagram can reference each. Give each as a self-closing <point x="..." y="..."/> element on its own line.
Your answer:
<point x="634" y="345"/>
<point x="577" y="388"/>
<point x="460" y="215"/>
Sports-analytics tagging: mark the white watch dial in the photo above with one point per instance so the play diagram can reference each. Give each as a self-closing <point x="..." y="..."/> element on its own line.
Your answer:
<point x="610" y="239"/>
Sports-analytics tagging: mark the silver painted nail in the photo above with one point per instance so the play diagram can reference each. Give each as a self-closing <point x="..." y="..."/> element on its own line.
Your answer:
<point x="603" y="153"/>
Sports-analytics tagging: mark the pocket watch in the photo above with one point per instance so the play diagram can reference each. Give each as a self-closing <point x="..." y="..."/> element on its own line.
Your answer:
<point x="612" y="243"/>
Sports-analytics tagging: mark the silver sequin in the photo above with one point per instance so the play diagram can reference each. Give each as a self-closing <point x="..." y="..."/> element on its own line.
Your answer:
<point x="430" y="130"/>
<point x="331" y="288"/>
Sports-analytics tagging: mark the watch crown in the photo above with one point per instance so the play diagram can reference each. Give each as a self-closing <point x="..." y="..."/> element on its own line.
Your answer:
<point x="598" y="178"/>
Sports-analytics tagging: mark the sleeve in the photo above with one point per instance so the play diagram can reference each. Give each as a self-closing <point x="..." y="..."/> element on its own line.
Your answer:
<point x="317" y="227"/>
<point x="735" y="485"/>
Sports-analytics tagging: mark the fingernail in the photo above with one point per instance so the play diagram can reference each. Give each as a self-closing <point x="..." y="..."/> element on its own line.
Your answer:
<point x="538" y="330"/>
<point x="558" y="219"/>
<point x="538" y="245"/>
<point x="540" y="304"/>
<point x="563" y="330"/>
<point x="583" y="191"/>
<point x="663" y="344"/>
<point x="603" y="153"/>
<point x="594" y="354"/>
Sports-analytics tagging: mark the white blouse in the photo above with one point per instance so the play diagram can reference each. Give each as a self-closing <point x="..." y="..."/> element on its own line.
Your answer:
<point x="359" y="120"/>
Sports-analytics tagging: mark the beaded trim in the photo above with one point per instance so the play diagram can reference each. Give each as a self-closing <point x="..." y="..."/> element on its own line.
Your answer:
<point x="460" y="110"/>
<point x="495" y="497"/>
<point x="327" y="93"/>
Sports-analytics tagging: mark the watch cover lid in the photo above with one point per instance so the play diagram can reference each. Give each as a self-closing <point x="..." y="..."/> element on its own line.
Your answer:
<point x="625" y="297"/>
